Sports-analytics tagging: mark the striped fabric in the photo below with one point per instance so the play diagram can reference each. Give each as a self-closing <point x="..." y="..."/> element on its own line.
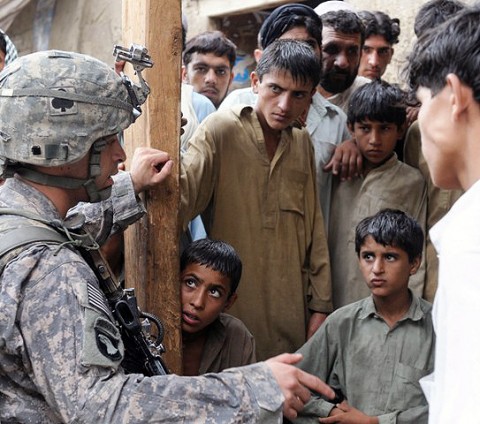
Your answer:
<point x="11" y="53"/>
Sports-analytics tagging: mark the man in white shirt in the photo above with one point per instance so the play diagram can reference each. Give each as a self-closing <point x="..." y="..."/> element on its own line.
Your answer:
<point x="447" y="83"/>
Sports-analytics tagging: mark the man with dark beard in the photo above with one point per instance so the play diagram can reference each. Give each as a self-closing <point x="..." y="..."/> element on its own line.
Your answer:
<point x="342" y="39"/>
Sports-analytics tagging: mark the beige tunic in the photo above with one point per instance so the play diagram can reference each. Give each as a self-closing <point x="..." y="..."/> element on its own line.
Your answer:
<point x="392" y="185"/>
<point x="269" y="211"/>
<point x="439" y="202"/>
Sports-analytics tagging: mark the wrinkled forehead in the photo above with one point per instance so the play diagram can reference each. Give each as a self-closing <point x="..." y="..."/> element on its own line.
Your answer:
<point x="331" y="36"/>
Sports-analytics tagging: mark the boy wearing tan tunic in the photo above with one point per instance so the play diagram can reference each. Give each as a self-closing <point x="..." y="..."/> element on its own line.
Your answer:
<point x="256" y="174"/>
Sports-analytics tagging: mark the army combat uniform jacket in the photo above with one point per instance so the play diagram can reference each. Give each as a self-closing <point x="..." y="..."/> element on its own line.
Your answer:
<point x="60" y="351"/>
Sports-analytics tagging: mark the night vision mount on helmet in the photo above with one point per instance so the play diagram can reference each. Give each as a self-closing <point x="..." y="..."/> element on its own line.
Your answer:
<point x="56" y="105"/>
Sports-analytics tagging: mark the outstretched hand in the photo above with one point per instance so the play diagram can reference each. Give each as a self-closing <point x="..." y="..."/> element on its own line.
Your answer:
<point x="149" y="168"/>
<point x="295" y="383"/>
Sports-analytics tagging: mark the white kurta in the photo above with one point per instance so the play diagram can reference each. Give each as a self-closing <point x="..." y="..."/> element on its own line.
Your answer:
<point x="454" y="388"/>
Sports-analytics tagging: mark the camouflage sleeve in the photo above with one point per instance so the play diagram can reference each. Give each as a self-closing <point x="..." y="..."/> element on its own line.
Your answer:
<point x="72" y="351"/>
<point x="114" y="214"/>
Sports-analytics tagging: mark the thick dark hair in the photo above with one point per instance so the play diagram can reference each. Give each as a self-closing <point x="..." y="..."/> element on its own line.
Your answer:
<point x="3" y="44"/>
<point x="438" y="53"/>
<point x="210" y="42"/>
<point x="217" y="255"/>
<point x="286" y="17"/>
<point x="379" y="23"/>
<point x="344" y="21"/>
<point x="294" y="56"/>
<point x="378" y="101"/>
<point x="391" y="227"/>
<point x="435" y="12"/>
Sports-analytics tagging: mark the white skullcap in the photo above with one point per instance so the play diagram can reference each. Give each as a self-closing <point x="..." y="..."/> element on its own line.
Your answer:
<point x="333" y="6"/>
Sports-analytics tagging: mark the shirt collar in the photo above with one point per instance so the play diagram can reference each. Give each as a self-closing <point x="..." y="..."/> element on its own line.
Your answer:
<point x="415" y="312"/>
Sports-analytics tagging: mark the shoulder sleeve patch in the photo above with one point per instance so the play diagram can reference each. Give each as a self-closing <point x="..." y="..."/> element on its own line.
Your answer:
<point x="102" y="344"/>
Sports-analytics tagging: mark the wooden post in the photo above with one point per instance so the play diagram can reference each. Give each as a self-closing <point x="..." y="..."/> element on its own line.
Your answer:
<point x="151" y="246"/>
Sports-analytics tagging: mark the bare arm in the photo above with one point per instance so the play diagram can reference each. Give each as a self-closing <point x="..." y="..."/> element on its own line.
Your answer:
<point x="315" y="321"/>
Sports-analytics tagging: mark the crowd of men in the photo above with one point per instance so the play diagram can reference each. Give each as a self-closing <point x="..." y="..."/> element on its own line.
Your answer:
<point x="325" y="209"/>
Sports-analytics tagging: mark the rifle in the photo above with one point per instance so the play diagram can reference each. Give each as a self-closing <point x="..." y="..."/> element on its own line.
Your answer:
<point x="142" y="349"/>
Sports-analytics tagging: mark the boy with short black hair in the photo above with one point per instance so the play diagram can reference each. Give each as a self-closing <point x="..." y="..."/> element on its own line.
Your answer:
<point x="325" y="122"/>
<point x="256" y="175"/>
<point x="376" y="119"/>
<point x="374" y="351"/>
<point x="212" y="341"/>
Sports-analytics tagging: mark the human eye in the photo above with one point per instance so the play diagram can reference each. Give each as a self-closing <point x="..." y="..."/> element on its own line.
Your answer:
<point x="275" y="88"/>
<point x="221" y="72"/>
<point x="390" y="257"/>
<point x="352" y="51"/>
<point x="190" y="282"/>
<point x="367" y="256"/>
<point x="386" y="127"/>
<point x="331" y="49"/>
<point x="367" y="50"/>
<point x="216" y="292"/>
<point x="364" y="128"/>
<point x="110" y="140"/>
<point x="200" y="69"/>
<point x="384" y="51"/>
<point x="299" y="95"/>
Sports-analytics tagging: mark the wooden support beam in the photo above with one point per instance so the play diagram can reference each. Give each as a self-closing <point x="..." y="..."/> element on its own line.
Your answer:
<point x="151" y="246"/>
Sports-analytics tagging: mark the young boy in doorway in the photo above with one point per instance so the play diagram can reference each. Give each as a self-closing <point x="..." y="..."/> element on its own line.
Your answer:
<point x="376" y="118"/>
<point x="212" y="341"/>
<point x="374" y="351"/>
<point x="256" y="175"/>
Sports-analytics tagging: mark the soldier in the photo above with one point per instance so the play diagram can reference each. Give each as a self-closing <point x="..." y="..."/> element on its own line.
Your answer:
<point x="60" y="351"/>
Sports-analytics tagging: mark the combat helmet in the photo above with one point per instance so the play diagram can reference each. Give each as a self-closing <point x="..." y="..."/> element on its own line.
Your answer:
<point x="56" y="105"/>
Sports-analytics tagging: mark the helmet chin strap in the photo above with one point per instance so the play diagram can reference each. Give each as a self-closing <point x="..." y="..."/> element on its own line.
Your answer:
<point x="93" y="192"/>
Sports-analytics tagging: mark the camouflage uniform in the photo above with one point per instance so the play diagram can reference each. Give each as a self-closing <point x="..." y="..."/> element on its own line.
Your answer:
<point x="60" y="351"/>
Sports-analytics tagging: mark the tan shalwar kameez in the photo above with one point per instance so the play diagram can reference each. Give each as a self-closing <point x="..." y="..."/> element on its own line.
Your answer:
<point x="392" y="185"/>
<point x="269" y="211"/>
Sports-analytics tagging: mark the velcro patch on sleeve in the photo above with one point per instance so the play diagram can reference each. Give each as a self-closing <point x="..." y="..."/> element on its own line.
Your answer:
<point x="102" y="344"/>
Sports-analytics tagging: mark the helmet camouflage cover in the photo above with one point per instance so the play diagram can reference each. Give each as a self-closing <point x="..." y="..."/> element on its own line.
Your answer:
<point x="54" y="105"/>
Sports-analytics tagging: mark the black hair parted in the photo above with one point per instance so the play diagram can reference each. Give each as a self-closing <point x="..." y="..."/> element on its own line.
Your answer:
<point x="344" y="21"/>
<point x="214" y="42"/>
<point x="378" y="101"/>
<point x="379" y="23"/>
<point x="391" y="227"/>
<point x="293" y="56"/>
<point x="217" y="255"/>
<point x="435" y="12"/>
<point x="451" y="48"/>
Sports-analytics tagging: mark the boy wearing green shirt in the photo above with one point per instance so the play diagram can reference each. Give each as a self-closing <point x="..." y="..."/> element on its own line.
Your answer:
<point x="374" y="351"/>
